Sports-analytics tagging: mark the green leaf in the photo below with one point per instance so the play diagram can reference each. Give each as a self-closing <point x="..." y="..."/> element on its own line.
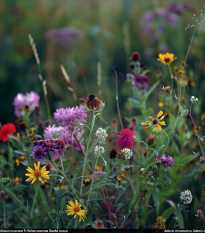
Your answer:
<point x="57" y="191"/>
<point x="180" y="122"/>
<point x="175" y="149"/>
<point x="107" y="127"/>
<point x="136" y="103"/>
<point x="101" y="118"/>
<point x="44" y="199"/>
<point x="92" y="146"/>
<point x="183" y="113"/>
<point x="98" y="199"/>
<point x="136" y="93"/>
<point x="182" y="138"/>
<point x="167" y="213"/>
<point x="34" y="202"/>
<point x="149" y="91"/>
<point x="148" y="112"/>
<point x="172" y="121"/>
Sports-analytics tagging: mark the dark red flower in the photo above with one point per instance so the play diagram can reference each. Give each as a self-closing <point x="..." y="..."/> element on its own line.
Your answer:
<point x="113" y="153"/>
<point x="125" y="139"/>
<point x="7" y="129"/>
<point x="22" y="126"/>
<point x="135" y="56"/>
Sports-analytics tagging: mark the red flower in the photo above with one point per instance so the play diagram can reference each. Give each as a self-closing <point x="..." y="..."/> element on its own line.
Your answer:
<point x="125" y="139"/>
<point x="7" y="129"/>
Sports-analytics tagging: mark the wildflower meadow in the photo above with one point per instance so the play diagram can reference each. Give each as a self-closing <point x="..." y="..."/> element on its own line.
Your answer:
<point x="102" y="115"/>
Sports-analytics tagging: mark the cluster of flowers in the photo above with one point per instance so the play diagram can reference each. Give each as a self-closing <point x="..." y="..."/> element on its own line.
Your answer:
<point x="24" y="103"/>
<point x="165" y="161"/>
<point x="101" y="134"/>
<point x="98" y="175"/>
<point x="139" y="80"/>
<point x="43" y="148"/>
<point x="69" y="119"/>
<point x="186" y="197"/>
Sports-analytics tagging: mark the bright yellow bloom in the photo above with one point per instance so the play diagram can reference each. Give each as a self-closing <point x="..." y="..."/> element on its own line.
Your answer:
<point x="37" y="174"/>
<point x="32" y="129"/>
<point x="17" y="162"/>
<point x="74" y="209"/>
<point x="161" y="105"/>
<point x="156" y="122"/>
<point x="167" y="58"/>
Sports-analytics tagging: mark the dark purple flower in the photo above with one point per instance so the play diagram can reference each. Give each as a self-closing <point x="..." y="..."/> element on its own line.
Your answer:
<point x="165" y="161"/>
<point x="174" y="8"/>
<point x="38" y="153"/>
<point x="141" y="81"/>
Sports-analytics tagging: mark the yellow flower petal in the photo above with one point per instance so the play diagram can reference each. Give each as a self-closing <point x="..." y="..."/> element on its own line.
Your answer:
<point x="38" y="166"/>
<point x="159" y="114"/>
<point x="154" y="129"/>
<point x="159" y="127"/>
<point x="144" y="123"/>
<point x="162" y="123"/>
<point x="162" y="117"/>
<point x="33" y="180"/>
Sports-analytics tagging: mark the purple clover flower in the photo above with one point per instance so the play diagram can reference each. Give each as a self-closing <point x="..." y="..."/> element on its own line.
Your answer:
<point x="165" y="161"/>
<point x="98" y="175"/>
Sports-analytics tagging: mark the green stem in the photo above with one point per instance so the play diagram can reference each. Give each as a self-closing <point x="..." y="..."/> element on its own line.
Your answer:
<point x="86" y="154"/>
<point x="69" y="223"/>
<point x="52" y="161"/>
<point x="91" y="183"/>
<point x="167" y="142"/>
<point x="4" y="210"/>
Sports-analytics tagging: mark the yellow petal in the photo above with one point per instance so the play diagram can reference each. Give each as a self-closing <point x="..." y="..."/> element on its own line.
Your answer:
<point x="162" y="117"/>
<point x="39" y="178"/>
<point x="154" y="129"/>
<point x="35" y="166"/>
<point x="144" y="123"/>
<point x="162" y="123"/>
<point x="38" y="166"/>
<point x="159" y="114"/>
<point x="30" y="170"/>
<point x="29" y="179"/>
<point x="33" y="180"/>
<point x="71" y="203"/>
<point x="159" y="127"/>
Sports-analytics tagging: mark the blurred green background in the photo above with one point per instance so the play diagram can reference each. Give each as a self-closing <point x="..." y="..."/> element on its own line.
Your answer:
<point x="110" y="31"/>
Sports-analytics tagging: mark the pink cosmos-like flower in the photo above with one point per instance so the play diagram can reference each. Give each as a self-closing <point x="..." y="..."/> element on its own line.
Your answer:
<point x="125" y="139"/>
<point x="32" y="99"/>
<point x="51" y="132"/>
<point x="69" y="116"/>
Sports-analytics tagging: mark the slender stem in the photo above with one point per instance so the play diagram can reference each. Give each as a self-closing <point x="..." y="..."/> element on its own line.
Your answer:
<point x="191" y="120"/>
<point x="87" y="149"/>
<point x="69" y="222"/>
<point x="52" y="161"/>
<point x="167" y="142"/>
<point x="4" y="210"/>
<point x="79" y="145"/>
<point x="118" y="108"/>
<point x="92" y="181"/>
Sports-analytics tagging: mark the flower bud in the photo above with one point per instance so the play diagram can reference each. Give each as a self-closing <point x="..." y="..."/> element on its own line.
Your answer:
<point x="151" y="140"/>
<point x="193" y="100"/>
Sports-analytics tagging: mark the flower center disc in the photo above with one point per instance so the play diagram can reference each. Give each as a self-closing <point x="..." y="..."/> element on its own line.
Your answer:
<point x="155" y="121"/>
<point x="76" y="208"/>
<point x="167" y="60"/>
<point x="37" y="173"/>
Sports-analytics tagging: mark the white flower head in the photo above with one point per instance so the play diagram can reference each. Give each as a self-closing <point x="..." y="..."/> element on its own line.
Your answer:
<point x="101" y="134"/>
<point x="186" y="197"/>
<point x="193" y="100"/>
<point x="127" y="152"/>
<point x="99" y="150"/>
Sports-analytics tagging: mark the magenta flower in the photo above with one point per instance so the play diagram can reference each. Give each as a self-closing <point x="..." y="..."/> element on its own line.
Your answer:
<point x="125" y="139"/>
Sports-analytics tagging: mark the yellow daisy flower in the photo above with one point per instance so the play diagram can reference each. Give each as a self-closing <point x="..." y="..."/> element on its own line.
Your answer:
<point x="161" y="104"/>
<point x="156" y="122"/>
<point x="37" y="174"/>
<point x="74" y="209"/>
<point x="167" y="58"/>
<point x="17" y="162"/>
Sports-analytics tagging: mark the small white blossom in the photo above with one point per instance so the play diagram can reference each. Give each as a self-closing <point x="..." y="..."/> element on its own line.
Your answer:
<point x="193" y="100"/>
<point x="99" y="150"/>
<point x="101" y="134"/>
<point x="128" y="153"/>
<point x="186" y="197"/>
